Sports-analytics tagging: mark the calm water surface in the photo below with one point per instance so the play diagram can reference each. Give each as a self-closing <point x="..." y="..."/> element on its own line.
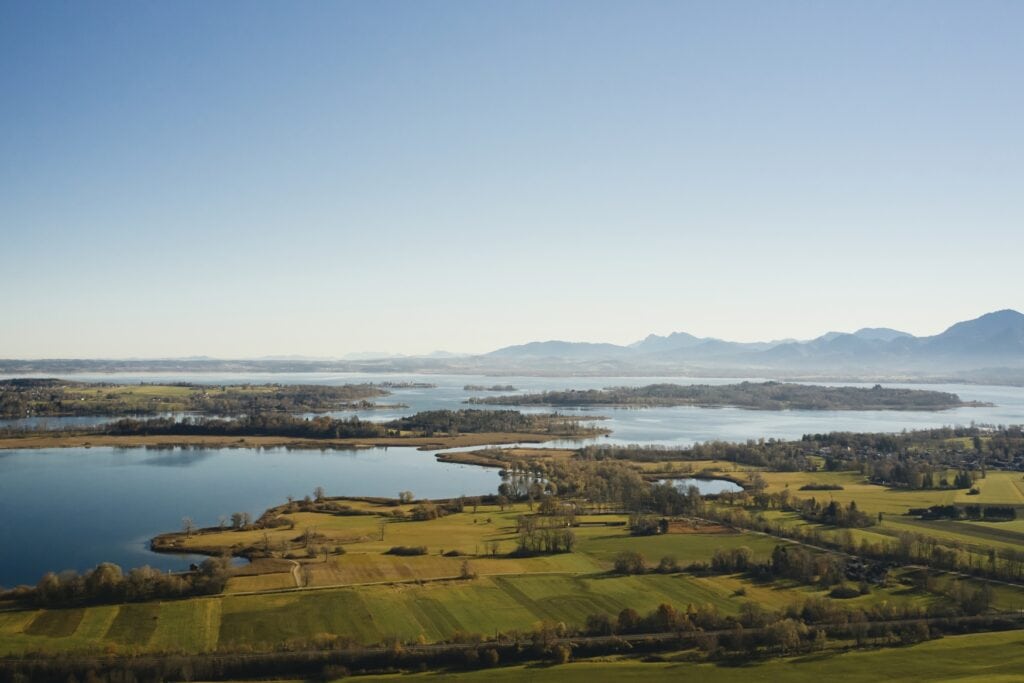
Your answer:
<point x="706" y="486"/>
<point x="73" y="508"/>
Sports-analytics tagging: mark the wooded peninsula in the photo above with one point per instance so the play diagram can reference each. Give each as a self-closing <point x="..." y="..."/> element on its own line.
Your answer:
<point x="428" y="429"/>
<point x="750" y="395"/>
<point x="30" y="397"/>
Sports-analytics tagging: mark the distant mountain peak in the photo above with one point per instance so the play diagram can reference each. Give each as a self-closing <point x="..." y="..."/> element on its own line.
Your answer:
<point x="885" y="334"/>
<point x="676" y="340"/>
<point x="994" y="339"/>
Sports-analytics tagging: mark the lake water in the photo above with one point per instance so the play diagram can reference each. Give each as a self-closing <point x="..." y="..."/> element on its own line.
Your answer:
<point x="706" y="486"/>
<point x="681" y="425"/>
<point x="73" y="508"/>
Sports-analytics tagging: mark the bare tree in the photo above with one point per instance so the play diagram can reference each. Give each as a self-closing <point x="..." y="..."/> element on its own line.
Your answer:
<point x="188" y="526"/>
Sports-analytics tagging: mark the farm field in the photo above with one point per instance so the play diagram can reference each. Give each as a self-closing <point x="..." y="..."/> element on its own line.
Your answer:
<point x="330" y="571"/>
<point x="412" y="611"/>
<point x="366" y="595"/>
<point x="977" y="658"/>
<point x="367" y="615"/>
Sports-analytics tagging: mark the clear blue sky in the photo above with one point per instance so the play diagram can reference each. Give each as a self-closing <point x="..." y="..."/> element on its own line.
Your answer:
<point x="241" y="179"/>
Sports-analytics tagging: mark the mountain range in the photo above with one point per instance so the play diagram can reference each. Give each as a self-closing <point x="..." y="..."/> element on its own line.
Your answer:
<point x="990" y="342"/>
<point x="988" y="349"/>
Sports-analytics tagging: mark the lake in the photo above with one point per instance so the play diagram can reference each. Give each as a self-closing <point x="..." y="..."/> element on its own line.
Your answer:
<point x="676" y="426"/>
<point x="73" y="508"/>
<point x="707" y="487"/>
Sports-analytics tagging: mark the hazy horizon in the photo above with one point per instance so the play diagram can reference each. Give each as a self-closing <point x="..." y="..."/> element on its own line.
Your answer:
<point x="384" y="353"/>
<point x="240" y="180"/>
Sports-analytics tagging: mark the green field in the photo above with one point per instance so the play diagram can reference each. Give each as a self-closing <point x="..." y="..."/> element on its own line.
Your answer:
<point x="979" y="658"/>
<point x="371" y="614"/>
<point x="438" y="611"/>
<point x="367" y="596"/>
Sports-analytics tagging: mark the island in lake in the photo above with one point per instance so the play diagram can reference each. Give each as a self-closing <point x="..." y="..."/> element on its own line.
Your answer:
<point x="752" y="395"/>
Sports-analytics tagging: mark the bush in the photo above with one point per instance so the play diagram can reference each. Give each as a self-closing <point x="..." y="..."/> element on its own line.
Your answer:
<point x="630" y="562"/>
<point x="561" y="654"/>
<point x="844" y="592"/>
<point x="668" y="565"/>
<point x="406" y="550"/>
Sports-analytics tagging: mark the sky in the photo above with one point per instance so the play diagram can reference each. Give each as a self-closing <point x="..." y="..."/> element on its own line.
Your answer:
<point x="320" y="178"/>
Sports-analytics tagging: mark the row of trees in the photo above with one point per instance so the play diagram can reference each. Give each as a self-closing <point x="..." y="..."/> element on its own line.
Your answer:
<point x="108" y="583"/>
<point x="905" y="548"/>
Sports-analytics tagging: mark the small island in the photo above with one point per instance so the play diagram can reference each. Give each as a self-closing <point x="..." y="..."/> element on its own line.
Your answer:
<point x="750" y="395"/>
<point x="494" y="387"/>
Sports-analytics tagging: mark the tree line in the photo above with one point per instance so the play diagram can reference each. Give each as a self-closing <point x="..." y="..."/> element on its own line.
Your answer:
<point x="57" y="397"/>
<point x="753" y="395"/>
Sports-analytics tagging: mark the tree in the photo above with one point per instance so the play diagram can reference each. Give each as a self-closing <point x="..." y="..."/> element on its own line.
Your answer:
<point x="405" y="497"/>
<point x="319" y="494"/>
<point x="188" y="526"/>
<point x="785" y="634"/>
<point x="628" y="621"/>
<point x="240" y="520"/>
<point x="599" y="625"/>
<point x="668" y="565"/>
<point x="630" y="562"/>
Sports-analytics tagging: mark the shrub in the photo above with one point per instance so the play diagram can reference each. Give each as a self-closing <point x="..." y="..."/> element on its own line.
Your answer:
<point x="407" y="550"/>
<point x="844" y="592"/>
<point x="668" y="565"/>
<point x="630" y="562"/>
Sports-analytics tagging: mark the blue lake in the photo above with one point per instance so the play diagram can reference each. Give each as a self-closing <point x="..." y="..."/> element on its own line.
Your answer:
<point x="73" y="508"/>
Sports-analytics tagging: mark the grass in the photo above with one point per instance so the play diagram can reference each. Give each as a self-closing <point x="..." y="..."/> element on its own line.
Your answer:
<point x="997" y="488"/>
<point x="134" y="624"/>
<point x="686" y="548"/>
<point x="260" y="582"/>
<point x="187" y="625"/>
<point x="55" y="623"/>
<point x="439" y="610"/>
<point x="418" y="598"/>
<point x="978" y="658"/>
<point x="966" y="533"/>
<point x="55" y="631"/>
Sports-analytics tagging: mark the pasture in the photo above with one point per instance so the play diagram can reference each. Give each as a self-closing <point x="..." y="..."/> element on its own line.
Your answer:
<point x="977" y="658"/>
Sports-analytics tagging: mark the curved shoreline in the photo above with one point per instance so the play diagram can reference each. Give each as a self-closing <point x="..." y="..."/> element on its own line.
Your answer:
<point x="423" y="443"/>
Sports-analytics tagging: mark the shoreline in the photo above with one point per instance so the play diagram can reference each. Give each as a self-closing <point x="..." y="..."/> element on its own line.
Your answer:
<point x="423" y="443"/>
<point x="718" y="406"/>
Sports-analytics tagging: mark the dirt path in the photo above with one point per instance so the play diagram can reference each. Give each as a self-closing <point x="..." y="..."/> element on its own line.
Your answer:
<point x="297" y="574"/>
